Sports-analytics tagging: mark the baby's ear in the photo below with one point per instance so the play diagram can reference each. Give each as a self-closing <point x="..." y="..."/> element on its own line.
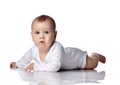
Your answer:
<point x="55" y="35"/>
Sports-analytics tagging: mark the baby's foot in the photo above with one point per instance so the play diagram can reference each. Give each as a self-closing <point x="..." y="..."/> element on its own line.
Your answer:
<point x="101" y="58"/>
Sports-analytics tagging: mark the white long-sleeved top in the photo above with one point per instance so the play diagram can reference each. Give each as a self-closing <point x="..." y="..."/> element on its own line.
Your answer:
<point x="57" y="58"/>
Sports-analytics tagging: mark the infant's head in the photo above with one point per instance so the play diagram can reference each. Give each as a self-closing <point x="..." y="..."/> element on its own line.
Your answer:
<point x="43" y="31"/>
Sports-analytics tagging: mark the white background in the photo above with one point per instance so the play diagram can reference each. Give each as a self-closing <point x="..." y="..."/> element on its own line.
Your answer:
<point x="91" y="25"/>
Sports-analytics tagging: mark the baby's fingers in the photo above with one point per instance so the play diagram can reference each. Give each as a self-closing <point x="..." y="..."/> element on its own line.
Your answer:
<point x="28" y="69"/>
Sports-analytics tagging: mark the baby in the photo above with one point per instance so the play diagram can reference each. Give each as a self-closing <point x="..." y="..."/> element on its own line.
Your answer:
<point x="49" y="55"/>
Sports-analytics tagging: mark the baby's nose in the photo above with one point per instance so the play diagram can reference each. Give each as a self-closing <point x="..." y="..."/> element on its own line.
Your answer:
<point x="41" y="35"/>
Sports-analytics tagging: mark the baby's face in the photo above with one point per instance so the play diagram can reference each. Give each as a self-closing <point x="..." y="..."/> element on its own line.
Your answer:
<point x="42" y="34"/>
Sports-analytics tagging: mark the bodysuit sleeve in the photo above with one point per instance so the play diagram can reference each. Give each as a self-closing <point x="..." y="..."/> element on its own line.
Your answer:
<point x="26" y="59"/>
<point x="53" y="60"/>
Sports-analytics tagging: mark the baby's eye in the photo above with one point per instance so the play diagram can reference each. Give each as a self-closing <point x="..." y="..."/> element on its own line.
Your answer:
<point x="37" y="32"/>
<point x="46" y="32"/>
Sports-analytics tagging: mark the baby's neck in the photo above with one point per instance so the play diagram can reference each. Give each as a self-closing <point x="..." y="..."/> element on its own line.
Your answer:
<point x="42" y="54"/>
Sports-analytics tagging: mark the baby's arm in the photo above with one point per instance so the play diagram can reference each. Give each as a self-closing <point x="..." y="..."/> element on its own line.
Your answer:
<point x="25" y="60"/>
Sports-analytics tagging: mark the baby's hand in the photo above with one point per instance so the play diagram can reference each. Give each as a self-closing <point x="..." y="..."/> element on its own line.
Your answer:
<point x="30" y="68"/>
<point x="13" y="65"/>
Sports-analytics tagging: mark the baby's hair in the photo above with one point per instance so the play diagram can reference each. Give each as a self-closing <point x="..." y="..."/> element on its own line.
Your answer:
<point x="43" y="18"/>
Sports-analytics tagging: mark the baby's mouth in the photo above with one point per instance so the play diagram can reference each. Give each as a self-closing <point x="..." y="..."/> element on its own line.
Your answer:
<point x="42" y="42"/>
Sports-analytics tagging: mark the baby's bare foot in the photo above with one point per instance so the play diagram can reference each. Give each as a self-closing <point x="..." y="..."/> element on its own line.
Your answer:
<point x="101" y="58"/>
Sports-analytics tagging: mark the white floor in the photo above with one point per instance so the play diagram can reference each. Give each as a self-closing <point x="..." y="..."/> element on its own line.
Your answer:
<point x="20" y="77"/>
<point x="104" y="74"/>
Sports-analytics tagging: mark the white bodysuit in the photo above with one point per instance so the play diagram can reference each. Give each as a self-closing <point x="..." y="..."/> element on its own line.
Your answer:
<point x="56" y="59"/>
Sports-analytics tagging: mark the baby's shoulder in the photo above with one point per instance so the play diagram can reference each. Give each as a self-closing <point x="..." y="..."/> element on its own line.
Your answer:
<point x="58" y="44"/>
<point x="33" y="49"/>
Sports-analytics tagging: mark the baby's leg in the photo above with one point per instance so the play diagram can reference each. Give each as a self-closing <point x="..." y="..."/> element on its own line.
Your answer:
<point x="92" y="61"/>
